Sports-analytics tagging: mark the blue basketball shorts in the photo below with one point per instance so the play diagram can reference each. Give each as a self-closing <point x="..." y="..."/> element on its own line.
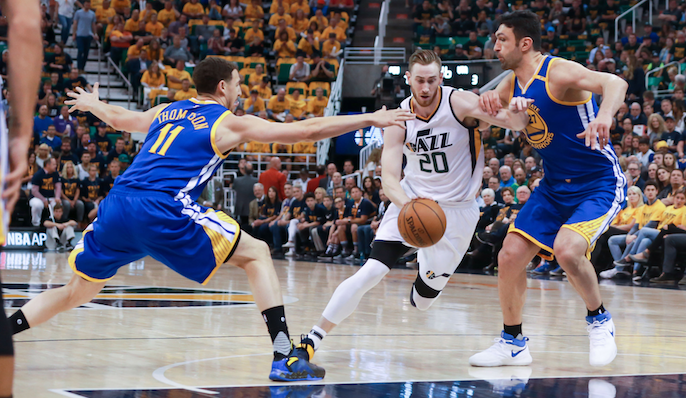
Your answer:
<point x="190" y="239"/>
<point x="587" y="208"/>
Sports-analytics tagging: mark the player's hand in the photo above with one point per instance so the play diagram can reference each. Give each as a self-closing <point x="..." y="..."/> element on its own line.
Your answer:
<point x="520" y="104"/>
<point x="489" y="102"/>
<point x="597" y="132"/>
<point x="82" y="100"/>
<point x="396" y="117"/>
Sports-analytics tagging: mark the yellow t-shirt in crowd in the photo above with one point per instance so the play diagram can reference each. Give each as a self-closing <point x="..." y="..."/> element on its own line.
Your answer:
<point x="649" y="213"/>
<point x="625" y="216"/>
<point x="151" y="80"/>
<point x="305" y="45"/>
<point x="259" y="104"/>
<point x="278" y="106"/>
<point x="274" y="19"/>
<point x="298" y="107"/>
<point x="166" y="17"/>
<point x="670" y="215"/>
<point x="264" y="93"/>
<point x="253" y="32"/>
<point x="193" y="9"/>
<point x="102" y="15"/>
<point x="154" y="29"/>
<point x="184" y="95"/>
<point x="177" y="74"/>
<point x="131" y="25"/>
<point x="274" y="8"/>
<point x="305" y="147"/>
<point x="316" y="107"/>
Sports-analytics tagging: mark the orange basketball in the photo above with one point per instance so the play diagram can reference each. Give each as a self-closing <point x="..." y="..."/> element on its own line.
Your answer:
<point x="421" y="222"/>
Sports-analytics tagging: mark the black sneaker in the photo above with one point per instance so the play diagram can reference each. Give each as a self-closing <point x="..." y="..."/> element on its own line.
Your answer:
<point x="665" y="278"/>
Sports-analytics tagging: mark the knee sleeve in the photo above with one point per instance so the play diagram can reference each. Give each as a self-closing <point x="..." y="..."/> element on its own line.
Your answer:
<point x="388" y="253"/>
<point x="423" y="295"/>
<point x="349" y="293"/>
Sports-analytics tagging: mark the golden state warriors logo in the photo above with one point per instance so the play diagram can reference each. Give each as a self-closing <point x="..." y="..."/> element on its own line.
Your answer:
<point x="537" y="132"/>
<point x="114" y="297"/>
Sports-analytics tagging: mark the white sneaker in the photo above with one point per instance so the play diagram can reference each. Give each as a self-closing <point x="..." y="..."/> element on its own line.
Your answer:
<point x="290" y="252"/>
<point x="601" y="332"/>
<point x="506" y="351"/>
<point x="609" y="274"/>
<point x="507" y="381"/>
<point x="288" y="245"/>
<point x="601" y="389"/>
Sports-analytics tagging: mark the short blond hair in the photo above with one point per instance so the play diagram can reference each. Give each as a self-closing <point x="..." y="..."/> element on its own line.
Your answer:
<point x="424" y="57"/>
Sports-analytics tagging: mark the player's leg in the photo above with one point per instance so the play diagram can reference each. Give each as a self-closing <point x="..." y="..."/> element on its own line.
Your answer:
<point x="511" y="348"/>
<point x="533" y="231"/>
<point x="437" y="263"/>
<point x="253" y="257"/>
<point x="570" y="251"/>
<point x="583" y="228"/>
<point x="6" y="353"/>
<point x="386" y="251"/>
<point x="51" y="302"/>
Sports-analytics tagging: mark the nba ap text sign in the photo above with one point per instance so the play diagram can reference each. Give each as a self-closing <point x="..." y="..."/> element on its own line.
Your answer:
<point x="25" y="238"/>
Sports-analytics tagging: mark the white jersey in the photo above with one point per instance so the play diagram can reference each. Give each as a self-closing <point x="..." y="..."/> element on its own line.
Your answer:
<point x="445" y="161"/>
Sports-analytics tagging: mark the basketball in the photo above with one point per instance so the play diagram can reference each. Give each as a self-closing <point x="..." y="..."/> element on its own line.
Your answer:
<point x="421" y="222"/>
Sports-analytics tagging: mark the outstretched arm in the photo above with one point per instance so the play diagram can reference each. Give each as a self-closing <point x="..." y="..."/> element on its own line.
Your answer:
<point x="249" y="128"/>
<point x="572" y="76"/>
<point x="466" y="104"/>
<point x="391" y="165"/>
<point x="116" y="116"/>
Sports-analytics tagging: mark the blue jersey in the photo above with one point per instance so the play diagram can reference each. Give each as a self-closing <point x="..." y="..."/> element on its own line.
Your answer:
<point x="553" y="126"/>
<point x="179" y="155"/>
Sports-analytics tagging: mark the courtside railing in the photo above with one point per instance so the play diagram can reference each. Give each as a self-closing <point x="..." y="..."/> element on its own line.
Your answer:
<point x="632" y="11"/>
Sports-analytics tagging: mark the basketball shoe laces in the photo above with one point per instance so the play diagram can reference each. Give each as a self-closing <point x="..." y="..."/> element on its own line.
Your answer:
<point x="502" y="345"/>
<point x="597" y="333"/>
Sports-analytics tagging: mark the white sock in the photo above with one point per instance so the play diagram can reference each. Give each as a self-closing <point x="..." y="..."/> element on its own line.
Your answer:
<point x="349" y="293"/>
<point x="317" y="334"/>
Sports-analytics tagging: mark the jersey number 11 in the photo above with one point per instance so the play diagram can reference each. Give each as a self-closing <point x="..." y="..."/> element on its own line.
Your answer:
<point x="161" y="138"/>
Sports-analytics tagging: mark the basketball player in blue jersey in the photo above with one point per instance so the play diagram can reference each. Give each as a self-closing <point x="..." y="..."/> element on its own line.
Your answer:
<point x="581" y="193"/>
<point x="23" y="18"/>
<point x="187" y="142"/>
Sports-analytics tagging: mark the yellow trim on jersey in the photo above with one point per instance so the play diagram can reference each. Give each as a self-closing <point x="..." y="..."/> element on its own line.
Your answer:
<point x="533" y="240"/>
<point x="2" y="224"/>
<point x="512" y="86"/>
<point x="79" y="249"/>
<point x="550" y="94"/>
<point x="477" y="142"/>
<point x="213" y="134"/>
<point x="221" y="246"/>
<point x="535" y="75"/>
<point x="160" y="110"/>
<point x="438" y="105"/>
<point x="202" y="102"/>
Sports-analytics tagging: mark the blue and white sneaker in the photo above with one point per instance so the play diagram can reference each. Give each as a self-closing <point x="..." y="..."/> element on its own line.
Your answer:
<point x="557" y="271"/>
<point x="543" y="269"/>
<point x="601" y="332"/>
<point x="507" y="351"/>
<point x="297" y="366"/>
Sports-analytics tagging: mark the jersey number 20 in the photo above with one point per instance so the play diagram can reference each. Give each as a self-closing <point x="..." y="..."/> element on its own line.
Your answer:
<point x="162" y="136"/>
<point x="437" y="159"/>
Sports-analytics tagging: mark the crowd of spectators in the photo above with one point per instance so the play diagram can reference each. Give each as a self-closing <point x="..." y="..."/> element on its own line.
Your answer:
<point x="325" y="218"/>
<point x="75" y="157"/>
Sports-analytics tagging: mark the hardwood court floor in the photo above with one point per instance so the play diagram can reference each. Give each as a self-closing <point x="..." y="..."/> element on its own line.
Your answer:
<point x="152" y="329"/>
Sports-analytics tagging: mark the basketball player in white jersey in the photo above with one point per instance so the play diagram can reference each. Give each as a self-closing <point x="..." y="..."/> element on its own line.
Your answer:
<point x="24" y="31"/>
<point x="445" y="163"/>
